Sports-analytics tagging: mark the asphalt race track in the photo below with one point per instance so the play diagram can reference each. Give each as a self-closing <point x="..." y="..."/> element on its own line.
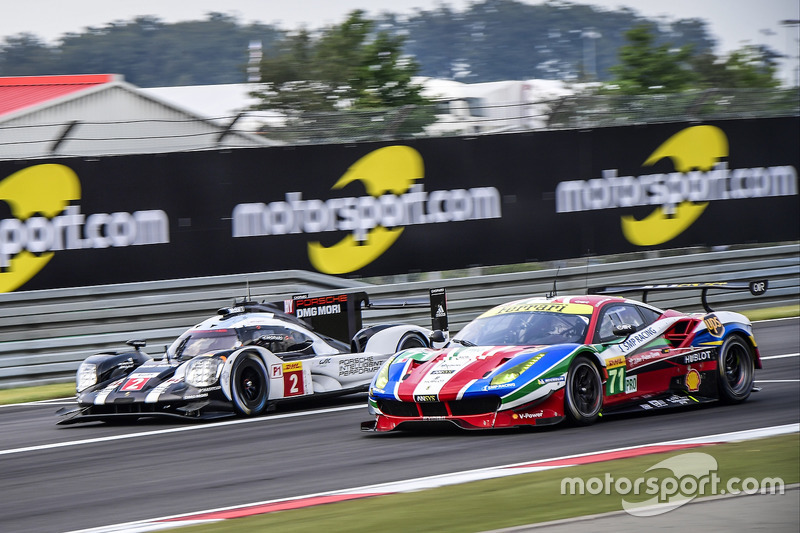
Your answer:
<point x="63" y="478"/>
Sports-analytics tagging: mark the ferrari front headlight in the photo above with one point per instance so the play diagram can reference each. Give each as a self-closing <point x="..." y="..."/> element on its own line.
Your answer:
<point x="514" y="372"/>
<point x="87" y="376"/>
<point x="382" y="378"/>
<point x="203" y="371"/>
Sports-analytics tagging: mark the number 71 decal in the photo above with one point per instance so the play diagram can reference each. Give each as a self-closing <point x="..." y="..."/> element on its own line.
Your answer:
<point x="618" y="382"/>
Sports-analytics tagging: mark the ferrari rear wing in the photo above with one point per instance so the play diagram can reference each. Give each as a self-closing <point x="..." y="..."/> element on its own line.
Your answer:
<point x="756" y="288"/>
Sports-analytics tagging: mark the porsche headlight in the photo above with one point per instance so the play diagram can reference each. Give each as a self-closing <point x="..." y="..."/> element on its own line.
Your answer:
<point x="514" y="372"/>
<point x="87" y="376"/>
<point x="203" y="371"/>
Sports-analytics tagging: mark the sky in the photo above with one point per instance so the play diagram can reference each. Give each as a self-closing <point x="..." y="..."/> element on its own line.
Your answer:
<point x="733" y="23"/>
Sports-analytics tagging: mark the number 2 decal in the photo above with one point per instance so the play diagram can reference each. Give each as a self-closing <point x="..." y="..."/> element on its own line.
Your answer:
<point x="136" y="383"/>
<point x="293" y="379"/>
<point x="293" y="384"/>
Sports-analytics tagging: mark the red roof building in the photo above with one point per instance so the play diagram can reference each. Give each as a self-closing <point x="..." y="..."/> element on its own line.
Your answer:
<point x="101" y="114"/>
<point x="20" y="92"/>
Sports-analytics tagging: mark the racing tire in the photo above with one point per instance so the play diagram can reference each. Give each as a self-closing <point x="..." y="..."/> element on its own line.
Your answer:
<point x="583" y="394"/>
<point x="412" y="340"/>
<point x="736" y="367"/>
<point x="249" y="385"/>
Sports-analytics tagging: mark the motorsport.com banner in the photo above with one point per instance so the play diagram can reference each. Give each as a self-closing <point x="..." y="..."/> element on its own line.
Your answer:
<point x="386" y="208"/>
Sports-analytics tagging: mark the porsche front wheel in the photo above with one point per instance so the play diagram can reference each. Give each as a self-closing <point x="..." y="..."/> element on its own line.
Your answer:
<point x="583" y="397"/>
<point x="249" y="385"/>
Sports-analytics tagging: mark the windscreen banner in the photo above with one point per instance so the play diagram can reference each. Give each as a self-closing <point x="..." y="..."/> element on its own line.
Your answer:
<point x="386" y="208"/>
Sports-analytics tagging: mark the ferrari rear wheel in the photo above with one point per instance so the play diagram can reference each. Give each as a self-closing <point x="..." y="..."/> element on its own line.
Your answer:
<point x="249" y="385"/>
<point x="583" y="397"/>
<point x="736" y="365"/>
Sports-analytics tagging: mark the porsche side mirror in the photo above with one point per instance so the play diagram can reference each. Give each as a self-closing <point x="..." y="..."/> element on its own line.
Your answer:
<point x="624" y="330"/>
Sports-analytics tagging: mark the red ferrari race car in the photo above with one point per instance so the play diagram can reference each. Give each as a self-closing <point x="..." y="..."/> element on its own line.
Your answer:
<point x="538" y="361"/>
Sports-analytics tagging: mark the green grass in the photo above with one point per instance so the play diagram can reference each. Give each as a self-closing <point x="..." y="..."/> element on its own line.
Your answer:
<point x="514" y="501"/>
<point x="33" y="394"/>
<point x="786" y="311"/>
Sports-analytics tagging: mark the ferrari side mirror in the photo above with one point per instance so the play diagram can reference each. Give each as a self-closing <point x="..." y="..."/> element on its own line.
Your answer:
<point x="624" y="330"/>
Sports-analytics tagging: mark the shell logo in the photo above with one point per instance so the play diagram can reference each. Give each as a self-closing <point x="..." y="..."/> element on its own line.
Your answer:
<point x="693" y="380"/>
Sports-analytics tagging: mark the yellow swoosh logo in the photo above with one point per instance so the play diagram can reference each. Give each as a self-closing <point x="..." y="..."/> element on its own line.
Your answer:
<point x="38" y="190"/>
<point x="392" y="169"/>
<point x="698" y="147"/>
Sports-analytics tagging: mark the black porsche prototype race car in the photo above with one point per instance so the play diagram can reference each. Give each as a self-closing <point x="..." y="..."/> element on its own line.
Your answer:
<point x="247" y="358"/>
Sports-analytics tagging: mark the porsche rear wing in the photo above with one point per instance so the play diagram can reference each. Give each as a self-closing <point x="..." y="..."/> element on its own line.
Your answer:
<point x="756" y="288"/>
<point x="339" y="315"/>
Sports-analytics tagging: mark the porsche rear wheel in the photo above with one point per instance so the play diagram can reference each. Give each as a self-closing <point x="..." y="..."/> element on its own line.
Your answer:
<point x="736" y="365"/>
<point x="583" y="397"/>
<point x="249" y="385"/>
<point x="411" y="340"/>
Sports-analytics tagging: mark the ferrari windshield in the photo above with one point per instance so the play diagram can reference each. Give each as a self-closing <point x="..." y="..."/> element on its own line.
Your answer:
<point x="524" y="329"/>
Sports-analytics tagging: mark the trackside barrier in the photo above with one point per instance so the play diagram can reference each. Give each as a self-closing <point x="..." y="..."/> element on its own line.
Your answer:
<point x="45" y="334"/>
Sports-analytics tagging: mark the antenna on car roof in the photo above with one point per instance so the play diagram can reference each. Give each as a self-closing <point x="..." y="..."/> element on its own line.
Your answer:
<point x="554" y="292"/>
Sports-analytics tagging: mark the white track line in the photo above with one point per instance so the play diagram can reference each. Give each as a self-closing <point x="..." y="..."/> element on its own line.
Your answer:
<point x="209" y="425"/>
<point x="781" y="356"/>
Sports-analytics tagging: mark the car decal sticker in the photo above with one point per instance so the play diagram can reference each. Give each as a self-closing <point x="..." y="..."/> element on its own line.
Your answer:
<point x="137" y="381"/>
<point x="528" y="306"/>
<point x="100" y="399"/>
<point x="557" y="363"/>
<point x="155" y="394"/>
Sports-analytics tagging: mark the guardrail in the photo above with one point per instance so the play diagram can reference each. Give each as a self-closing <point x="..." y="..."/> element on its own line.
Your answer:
<point x="45" y="334"/>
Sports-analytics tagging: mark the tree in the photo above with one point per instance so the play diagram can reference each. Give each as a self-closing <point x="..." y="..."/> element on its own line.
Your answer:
<point x="148" y="52"/>
<point x="751" y="67"/>
<point x="345" y="66"/>
<point x="646" y="67"/>
<point x="25" y="55"/>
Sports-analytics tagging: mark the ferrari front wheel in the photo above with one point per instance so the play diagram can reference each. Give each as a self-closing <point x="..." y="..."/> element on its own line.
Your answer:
<point x="736" y="365"/>
<point x="583" y="397"/>
<point x="249" y="385"/>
